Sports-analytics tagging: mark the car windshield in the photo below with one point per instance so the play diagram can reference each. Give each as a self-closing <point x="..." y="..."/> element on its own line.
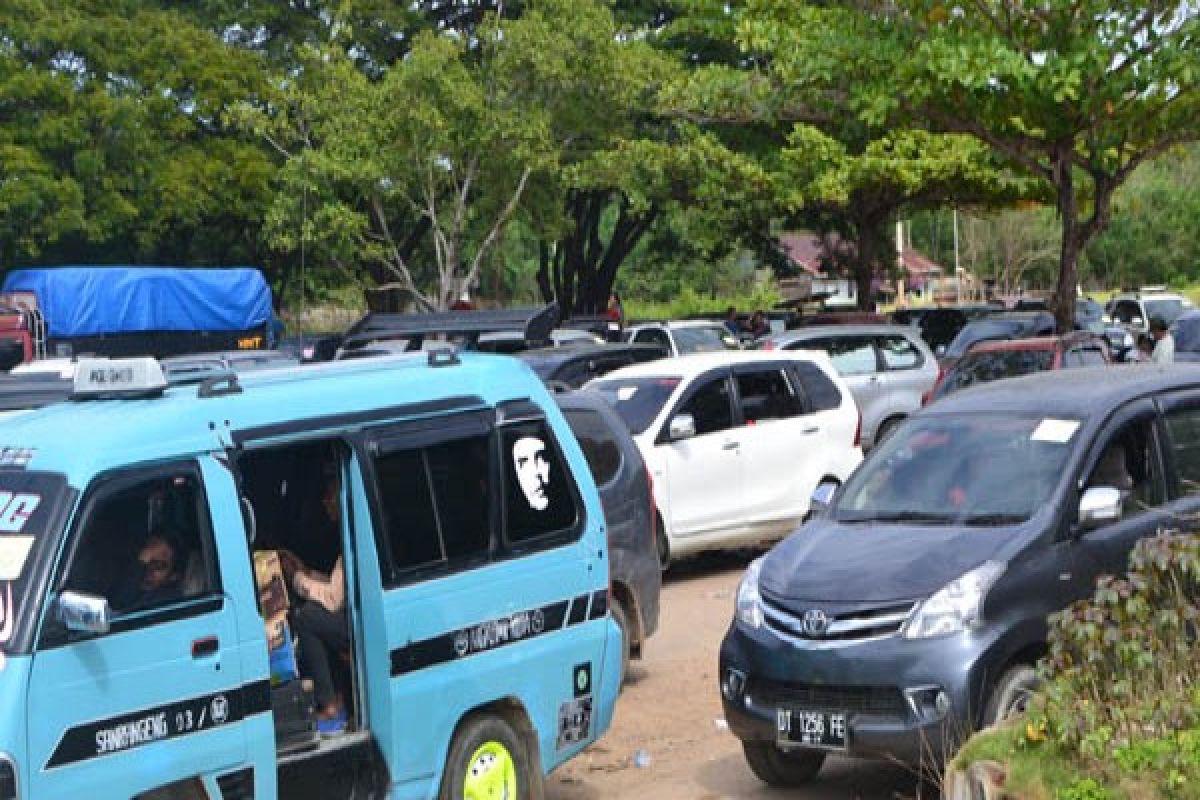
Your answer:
<point x="30" y="522"/>
<point x="637" y="400"/>
<point x="1169" y="308"/>
<point x="704" y="339"/>
<point x="965" y="469"/>
<point x="976" y="368"/>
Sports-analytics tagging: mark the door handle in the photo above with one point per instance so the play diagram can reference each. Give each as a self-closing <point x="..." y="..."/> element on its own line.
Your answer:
<point x="813" y="429"/>
<point x="205" y="647"/>
<point x="730" y="446"/>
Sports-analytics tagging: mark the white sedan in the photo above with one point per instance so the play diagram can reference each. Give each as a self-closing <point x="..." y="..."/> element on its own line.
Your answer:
<point x="736" y="442"/>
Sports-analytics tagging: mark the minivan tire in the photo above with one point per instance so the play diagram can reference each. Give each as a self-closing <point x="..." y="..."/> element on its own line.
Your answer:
<point x="473" y="736"/>
<point x="621" y="617"/>
<point x="1011" y="694"/>
<point x="780" y="768"/>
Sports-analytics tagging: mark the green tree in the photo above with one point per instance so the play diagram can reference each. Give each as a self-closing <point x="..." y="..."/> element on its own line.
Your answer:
<point x="1077" y="92"/>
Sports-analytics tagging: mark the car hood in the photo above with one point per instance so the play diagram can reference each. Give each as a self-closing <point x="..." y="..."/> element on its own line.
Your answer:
<point x="832" y="562"/>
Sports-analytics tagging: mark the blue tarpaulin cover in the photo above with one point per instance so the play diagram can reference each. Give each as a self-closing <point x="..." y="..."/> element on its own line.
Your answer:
<point x="86" y="301"/>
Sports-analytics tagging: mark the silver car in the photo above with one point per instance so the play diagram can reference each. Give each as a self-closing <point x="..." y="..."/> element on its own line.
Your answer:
<point x="888" y="368"/>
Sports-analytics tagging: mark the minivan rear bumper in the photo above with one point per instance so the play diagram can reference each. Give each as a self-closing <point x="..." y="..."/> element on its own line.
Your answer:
<point x="911" y="701"/>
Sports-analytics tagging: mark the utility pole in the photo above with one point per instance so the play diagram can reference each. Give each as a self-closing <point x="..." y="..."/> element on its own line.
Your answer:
<point x="957" y="269"/>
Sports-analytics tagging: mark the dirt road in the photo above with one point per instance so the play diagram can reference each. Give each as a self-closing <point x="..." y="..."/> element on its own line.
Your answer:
<point x="671" y="709"/>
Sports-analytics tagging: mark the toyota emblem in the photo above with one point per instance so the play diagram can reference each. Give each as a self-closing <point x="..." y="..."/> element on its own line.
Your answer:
<point x="814" y="623"/>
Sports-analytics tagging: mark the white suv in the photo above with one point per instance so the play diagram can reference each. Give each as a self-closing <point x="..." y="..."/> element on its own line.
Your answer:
<point x="736" y="442"/>
<point x="682" y="337"/>
<point x="1134" y="310"/>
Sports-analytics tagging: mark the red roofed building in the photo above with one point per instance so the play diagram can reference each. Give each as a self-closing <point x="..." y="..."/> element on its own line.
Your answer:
<point x="817" y="257"/>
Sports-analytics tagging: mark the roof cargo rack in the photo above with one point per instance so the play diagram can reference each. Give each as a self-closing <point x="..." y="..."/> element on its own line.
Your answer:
<point x="534" y="324"/>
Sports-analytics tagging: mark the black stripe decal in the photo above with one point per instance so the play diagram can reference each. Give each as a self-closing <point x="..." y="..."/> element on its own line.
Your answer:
<point x="486" y="636"/>
<point x="160" y="723"/>
<point x="578" y="610"/>
<point x="599" y="604"/>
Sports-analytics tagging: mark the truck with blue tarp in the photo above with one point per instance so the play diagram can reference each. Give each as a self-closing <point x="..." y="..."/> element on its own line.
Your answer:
<point x="119" y="311"/>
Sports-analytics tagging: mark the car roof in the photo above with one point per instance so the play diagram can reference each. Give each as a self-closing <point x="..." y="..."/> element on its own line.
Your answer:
<point x="130" y="431"/>
<point x="560" y="355"/>
<point x="1071" y="392"/>
<point x="682" y="323"/>
<point x="697" y="363"/>
<point x="1035" y="342"/>
<point x="821" y="331"/>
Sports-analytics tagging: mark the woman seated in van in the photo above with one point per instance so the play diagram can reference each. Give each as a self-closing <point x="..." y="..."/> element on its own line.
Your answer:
<point x="320" y="622"/>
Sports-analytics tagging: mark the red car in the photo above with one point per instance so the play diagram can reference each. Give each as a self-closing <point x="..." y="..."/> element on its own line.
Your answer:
<point x="991" y="361"/>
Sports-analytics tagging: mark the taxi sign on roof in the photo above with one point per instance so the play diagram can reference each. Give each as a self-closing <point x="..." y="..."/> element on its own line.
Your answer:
<point x="118" y="377"/>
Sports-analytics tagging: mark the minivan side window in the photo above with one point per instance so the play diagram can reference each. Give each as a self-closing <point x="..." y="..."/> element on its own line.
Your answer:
<point x="898" y="352"/>
<point x="767" y="394"/>
<point x="851" y="355"/>
<point x="145" y="544"/>
<point x="1183" y="428"/>
<point x="436" y="503"/>
<point x="709" y="406"/>
<point x="1129" y="463"/>
<point x="823" y="394"/>
<point x="539" y="495"/>
<point x="599" y="444"/>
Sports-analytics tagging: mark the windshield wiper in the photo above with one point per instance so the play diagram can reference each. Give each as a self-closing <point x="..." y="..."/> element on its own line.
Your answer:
<point x="901" y="516"/>
<point x="995" y="519"/>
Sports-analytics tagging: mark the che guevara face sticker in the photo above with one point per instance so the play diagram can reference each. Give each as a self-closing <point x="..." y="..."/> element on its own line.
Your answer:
<point x="533" y="471"/>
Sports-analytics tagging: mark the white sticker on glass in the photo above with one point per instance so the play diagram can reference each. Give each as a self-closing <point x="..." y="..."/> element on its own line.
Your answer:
<point x="14" y="550"/>
<point x="533" y="471"/>
<point x="1058" y="431"/>
<point x="626" y="393"/>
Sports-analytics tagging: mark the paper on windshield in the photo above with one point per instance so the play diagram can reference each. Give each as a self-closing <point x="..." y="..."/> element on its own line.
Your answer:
<point x="14" y="550"/>
<point x="1057" y="431"/>
<point x="626" y="393"/>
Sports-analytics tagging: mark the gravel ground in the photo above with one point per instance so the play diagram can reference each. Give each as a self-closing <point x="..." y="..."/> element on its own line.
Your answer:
<point x="671" y="709"/>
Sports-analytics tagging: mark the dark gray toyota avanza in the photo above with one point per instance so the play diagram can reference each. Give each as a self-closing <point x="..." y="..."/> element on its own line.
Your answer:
<point x="913" y="610"/>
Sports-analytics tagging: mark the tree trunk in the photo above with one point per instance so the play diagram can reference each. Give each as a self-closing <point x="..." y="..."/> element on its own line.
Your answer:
<point x="1063" y="302"/>
<point x="864" y="267"/>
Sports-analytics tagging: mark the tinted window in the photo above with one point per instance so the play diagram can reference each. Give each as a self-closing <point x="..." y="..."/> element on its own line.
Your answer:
<point x="638" y="400"/>
<point x="146" y="546"/>
<point x="598" y="442"/>
<point x="767" y="395"/>
<point x="898" y="352"/>
<point x="709" y="406"/>
<point x="1084" y="357"/>
<point x="976" y="368"/>
<point x="1126" y="311"/>
<point x="703" y="340"/>
<point x="851" y="355"/>
<point x="539" y="493"/>
<point x="653" y="336"/>
<point x="436" y="502"/>
<point x="1184" y="430"/>
<point x="823" y="394"/>
<point x="1129" y="464"/>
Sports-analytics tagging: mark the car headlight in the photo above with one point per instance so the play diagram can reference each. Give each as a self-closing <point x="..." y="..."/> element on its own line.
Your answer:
<point x="749" y="602"/>
<point x="956" y="607"/>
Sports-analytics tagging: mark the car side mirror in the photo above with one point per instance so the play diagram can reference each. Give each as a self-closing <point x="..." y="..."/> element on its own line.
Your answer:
<point x="84" y="613"/>
<point x="822" y="498"/>
<point x="683" y="426"/>
<point x="1099" y="506"/>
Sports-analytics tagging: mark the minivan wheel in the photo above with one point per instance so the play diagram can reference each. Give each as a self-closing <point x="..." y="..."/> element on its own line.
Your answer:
<point x="621" y="617"/>
<point x="487" y="759"/>
<point x="1011" y="696"/>
<point x="782" y="768"/>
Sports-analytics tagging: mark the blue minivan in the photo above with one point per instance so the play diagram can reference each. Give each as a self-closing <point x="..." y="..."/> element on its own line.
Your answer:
<point x="147" y="649"/>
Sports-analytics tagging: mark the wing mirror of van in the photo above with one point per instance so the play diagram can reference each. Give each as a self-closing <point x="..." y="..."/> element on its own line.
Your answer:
<point x="683" y="426"/>
<point x="1099" y="506"/>
<point x="822" y="498"/>
<point x="83" y="613"/>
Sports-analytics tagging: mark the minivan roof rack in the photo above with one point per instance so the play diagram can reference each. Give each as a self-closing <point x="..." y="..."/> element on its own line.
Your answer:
<point x="534" y="324"/>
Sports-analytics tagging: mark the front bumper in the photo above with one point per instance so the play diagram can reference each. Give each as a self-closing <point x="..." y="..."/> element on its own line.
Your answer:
<point x="910" y="701"/>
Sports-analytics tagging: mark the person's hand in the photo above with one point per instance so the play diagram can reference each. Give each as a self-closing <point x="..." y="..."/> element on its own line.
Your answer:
<point x="290" y="563"/>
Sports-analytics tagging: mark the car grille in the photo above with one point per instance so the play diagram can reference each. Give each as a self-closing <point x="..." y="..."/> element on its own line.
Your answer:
<point x="843" y="626"/>
<point x="883" y="701"/>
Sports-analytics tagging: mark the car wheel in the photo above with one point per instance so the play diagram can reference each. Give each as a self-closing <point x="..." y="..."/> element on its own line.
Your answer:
<point x="782" y="768"/>
<point x="488" y="759"/>
<point x="1011" y="695"/>
<point x="621" y="617"/>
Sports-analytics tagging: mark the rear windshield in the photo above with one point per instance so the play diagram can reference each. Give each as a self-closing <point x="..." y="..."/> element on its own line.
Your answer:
<point x="976" y="368"/>
<point x="30" y="520"/>
<point x="703" y="339"/>
<point x="638" y="400"/>
<point x="966" y="469"/>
